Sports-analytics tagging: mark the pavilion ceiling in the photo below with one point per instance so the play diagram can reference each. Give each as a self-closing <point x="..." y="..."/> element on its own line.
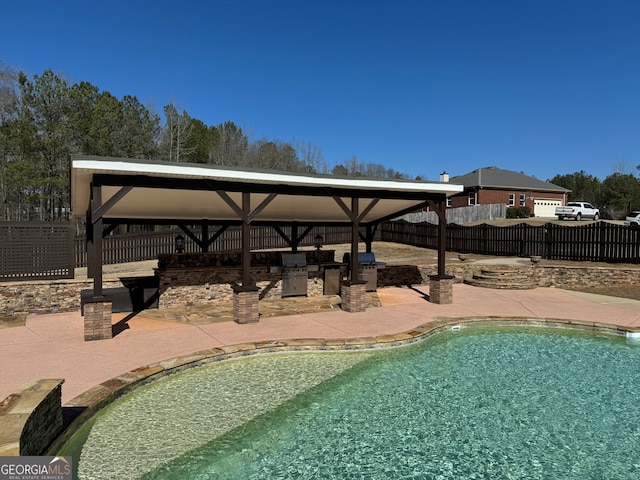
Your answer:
<point x="135" y="190"/>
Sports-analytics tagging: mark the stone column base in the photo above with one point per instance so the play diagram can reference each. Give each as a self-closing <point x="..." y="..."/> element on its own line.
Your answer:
<point x="245" y="304"/>
<point x="97" y="319"/>
<point x="353" y="296"/>
<point x="441" y="289"/>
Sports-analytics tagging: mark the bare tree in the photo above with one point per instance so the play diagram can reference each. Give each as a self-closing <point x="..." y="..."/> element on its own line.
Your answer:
<point x="353" y="167"/>
<point x="375" y="170"/>
<point x="274" y="155"/>
<point x="311" y="157"/>
<point x="9" y="93"/>
<point x="262" y="154"/>
<point x="621" y="167"/>
<point x="229" y="145"/>
<point x="174" y="139"/>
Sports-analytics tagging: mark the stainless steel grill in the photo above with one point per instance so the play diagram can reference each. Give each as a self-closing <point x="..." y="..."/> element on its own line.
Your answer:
<point x="367" y="268"/>
<point x="294" y="274"/>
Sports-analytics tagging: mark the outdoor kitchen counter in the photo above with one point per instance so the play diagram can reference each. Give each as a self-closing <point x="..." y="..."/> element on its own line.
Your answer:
<point x="316" y="267"/>
<point x="322" y="266"/>
<point x="233" y="259"/>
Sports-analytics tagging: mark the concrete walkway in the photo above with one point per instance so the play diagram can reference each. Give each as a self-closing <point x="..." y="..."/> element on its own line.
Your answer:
<point x="53" y="346"/>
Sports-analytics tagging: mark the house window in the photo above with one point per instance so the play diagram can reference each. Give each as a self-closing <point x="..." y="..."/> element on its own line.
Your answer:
<point x="522" y="198"/>
<point x="472" y="198"/>
<point x="512" y="199"/>
<point x="449" y="200"/>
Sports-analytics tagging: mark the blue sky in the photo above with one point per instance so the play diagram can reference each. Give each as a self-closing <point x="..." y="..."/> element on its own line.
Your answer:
<point x="544" y="87"/>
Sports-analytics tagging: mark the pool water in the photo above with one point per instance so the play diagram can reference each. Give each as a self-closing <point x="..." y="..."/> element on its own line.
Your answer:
<point x="473" y="404"/>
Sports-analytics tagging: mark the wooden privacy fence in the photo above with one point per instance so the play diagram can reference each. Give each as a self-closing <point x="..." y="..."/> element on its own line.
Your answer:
<point x="461" y="215"/>
<point x="48" y="250"/>
<point x="133" y="247"/>
<point x="36" y="250"/>
<point x="595" y="242"/>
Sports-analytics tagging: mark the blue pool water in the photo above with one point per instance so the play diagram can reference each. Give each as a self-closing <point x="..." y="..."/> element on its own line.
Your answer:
<point x="473" y="404"/>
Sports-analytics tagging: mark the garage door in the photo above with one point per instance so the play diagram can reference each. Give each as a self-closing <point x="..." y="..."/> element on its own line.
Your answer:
<point x="545" y="207"/>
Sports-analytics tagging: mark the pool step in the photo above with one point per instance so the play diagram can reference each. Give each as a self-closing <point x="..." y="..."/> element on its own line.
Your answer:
<point x="502" y="277"/>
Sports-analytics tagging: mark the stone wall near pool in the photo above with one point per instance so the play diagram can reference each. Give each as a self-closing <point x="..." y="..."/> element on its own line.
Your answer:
<point x="187" y="285"/>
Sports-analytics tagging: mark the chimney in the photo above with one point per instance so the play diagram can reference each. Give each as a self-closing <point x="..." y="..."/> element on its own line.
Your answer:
<point x="444" y="177"/>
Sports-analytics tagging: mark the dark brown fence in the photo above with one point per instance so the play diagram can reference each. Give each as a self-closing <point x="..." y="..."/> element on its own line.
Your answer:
<point x="48" y="250"/>
<point x="36" y="251"/>
<point x="147" y="245"/>
<point x="595" y="242"/>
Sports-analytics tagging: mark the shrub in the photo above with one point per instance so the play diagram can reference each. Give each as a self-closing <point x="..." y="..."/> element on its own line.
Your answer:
<point x="512" y="212"/>
<point x="518" y="212"/>
<point x="524" y="212"/>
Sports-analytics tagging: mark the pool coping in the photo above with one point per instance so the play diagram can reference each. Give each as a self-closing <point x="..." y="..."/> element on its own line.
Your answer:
<point x="86" y="405"/>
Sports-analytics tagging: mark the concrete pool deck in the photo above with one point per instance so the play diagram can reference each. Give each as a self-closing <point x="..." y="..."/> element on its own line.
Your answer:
<point x="53" y="346"/>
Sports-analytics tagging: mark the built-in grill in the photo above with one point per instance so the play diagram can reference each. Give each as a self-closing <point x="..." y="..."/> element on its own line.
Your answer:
<point x="367" y="268"/>
<point x="294" y="274"/>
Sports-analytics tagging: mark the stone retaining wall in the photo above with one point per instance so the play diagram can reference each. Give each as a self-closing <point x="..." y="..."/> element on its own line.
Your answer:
<point x="559" y="276"/>
<point x="550" y="276"/>
<point x="45" y="296"/>
<point x="31" y="418"/>
<point x="184" y="286"/>
<point x="564" y="276"/>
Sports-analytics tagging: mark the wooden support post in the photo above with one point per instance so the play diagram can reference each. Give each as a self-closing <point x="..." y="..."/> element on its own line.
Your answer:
<point x="294" y="237"/>
<point x="246" y="240"/>
<point x="355" y="237"/>
<point x="205" y="236"/>
<point x="96" y="236"/>
<point x="441" y="285"/>
<point x="246" y="296"/>
<point x="369" y="238"/>
<point x="442" y="236"/>
<point x="441" y="210"/>
<point x="353" y="292"/>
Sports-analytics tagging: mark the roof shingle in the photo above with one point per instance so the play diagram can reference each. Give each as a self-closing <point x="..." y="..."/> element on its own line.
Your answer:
<point x="494" y="177"/>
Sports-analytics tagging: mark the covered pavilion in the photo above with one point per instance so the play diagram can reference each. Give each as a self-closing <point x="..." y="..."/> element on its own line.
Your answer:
<point x="116" y="191"/>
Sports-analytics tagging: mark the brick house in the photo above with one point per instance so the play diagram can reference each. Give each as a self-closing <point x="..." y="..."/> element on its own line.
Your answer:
<point x="492" y="185"/>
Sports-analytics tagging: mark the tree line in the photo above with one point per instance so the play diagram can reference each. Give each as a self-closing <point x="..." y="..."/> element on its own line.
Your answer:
<point x="616" y="195"/>
<point x="45" y="118"/>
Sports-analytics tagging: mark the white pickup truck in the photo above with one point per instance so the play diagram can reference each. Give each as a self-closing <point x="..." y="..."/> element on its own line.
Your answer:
<point x="577" y="210"/>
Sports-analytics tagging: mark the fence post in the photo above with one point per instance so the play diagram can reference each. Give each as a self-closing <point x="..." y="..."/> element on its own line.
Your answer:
<point x="547" y="241"/>
<point x="602" y="246"/>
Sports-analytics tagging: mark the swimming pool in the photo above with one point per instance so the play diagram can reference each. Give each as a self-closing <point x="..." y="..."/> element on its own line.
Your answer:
<point x="475" y="403"/>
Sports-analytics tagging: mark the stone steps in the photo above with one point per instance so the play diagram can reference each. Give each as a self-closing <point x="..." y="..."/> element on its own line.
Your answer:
<point x="502" y="277"/>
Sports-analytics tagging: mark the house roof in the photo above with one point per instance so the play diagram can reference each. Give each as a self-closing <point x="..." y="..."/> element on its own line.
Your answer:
<point x="494" y="177"/>
<point x="144" y="190"/>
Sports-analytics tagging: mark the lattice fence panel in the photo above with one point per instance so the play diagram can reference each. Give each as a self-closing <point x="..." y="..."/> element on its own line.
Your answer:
<point x="36" y="250"/>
